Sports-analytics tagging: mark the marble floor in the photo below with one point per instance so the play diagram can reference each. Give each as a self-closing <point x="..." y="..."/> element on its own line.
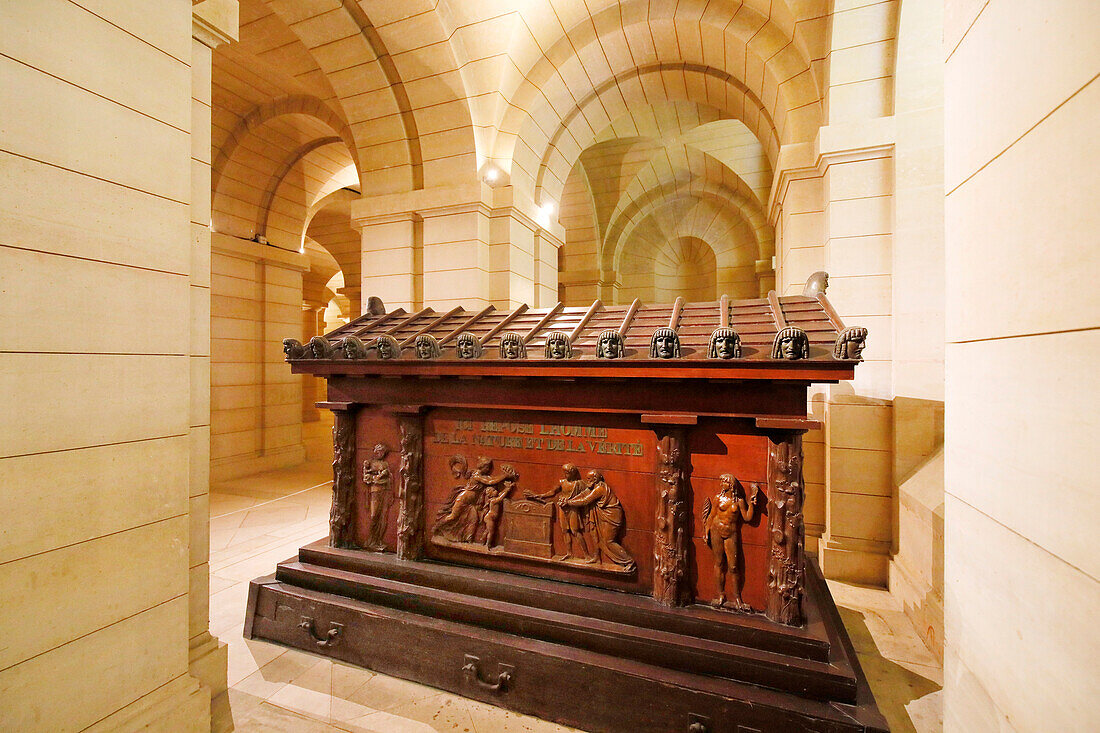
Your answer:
<point x="259" y="520"/>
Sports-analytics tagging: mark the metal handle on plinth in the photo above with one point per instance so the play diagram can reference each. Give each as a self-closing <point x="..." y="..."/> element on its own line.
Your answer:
<point x="329" y="639"/>
<point x="472" y="670"/>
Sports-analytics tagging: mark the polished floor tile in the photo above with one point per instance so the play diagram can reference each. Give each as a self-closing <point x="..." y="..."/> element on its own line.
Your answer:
<point x="258" y="521"/>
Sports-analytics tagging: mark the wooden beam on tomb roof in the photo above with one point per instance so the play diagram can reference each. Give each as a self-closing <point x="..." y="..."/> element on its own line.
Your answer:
<point x="677" y="311"/>
<point x="630" y="313"/>
<point x="592" y="310"/>
<point x="406" y="321"/>
<point x="467" y="323"/>
<point x="500" y="326"/>
<point x="359" y="331"/>
<point x="830" y="311"/>
<point x="543" y="321"/>
<point x="435" y="322"/>
<point x="724" y="311"/>
<point x="777" y="311"/>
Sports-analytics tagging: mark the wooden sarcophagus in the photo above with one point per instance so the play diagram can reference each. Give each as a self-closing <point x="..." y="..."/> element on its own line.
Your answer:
<point x="592" y="515"/>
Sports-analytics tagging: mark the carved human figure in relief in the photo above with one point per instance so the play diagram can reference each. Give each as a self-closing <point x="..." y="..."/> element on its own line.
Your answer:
<point x="664" y="344"/>
<point x="557" y="345"/>
<point x="722" y="522"/>
<point x="610" y="345"/>
<point x="724" y="344"/>
<point x="512" y="346"/>
<point x="387" y="347"/>
<point x="849" y="344"/>
<point x="467" y="346"/>
<point x="379" y="490"/>
<point x="605" y="513"/>
<point x="492" y="500"/>
<point x="459" y="519"/>
<point x="572" y="520"/>
<point x="427" y="347"/>
<point x="791" y="343"/>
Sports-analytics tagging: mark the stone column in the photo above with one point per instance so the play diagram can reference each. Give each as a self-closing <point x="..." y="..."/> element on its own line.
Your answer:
<point x="392" y="256"/>
<point x="213" y="22"/>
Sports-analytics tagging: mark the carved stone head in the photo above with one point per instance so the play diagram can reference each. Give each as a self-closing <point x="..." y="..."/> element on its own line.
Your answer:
<point x="816" y="284"/>
<point x="791" y="343"/>
<point x="664" y="344"/>
<point x="512" y="346"/>
<point x="387" y="347"/>
<point x="610" y="345"/>
<point x="724" y="344"/>
<point x="353" y="348"/>
<point x="849" y="344"/>
<point x="570" y="472"/>
<point x="381" y="450"/>
<point x="557" y="345"/>
<point x="467" y="346"/>
<point x="427" y="347"/>
<point x="484" y="465"/>
<point x="293" y="349"/>
<point x="320" y="347"/>
<point x="593" y="477"/>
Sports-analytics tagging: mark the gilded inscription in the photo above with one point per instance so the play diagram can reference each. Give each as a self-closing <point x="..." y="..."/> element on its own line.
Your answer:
<point x="534" y="436"/>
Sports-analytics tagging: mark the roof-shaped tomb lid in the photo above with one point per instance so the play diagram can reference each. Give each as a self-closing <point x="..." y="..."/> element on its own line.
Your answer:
<point x="774" y="328"/>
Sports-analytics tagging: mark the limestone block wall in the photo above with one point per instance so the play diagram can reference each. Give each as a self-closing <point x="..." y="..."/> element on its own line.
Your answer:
<point x="1022" y="506"/>
<point x="103" y="270"/>
<point x="918" y="273"/>
<point x="256" y="403"/>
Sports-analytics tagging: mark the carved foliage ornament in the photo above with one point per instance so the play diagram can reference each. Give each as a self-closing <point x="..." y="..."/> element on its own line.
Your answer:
<point x="341" y="526"/>
<point x="786" y="556"/>
<point x="410" y="517"/>
<point x="669" y="550"/>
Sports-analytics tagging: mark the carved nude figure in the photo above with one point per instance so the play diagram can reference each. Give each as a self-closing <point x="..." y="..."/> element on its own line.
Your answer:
<point x="571" y="519"/>
<point x="493" y="499"/>
<point x="606" y="513"/>
<point x="379" y="485"/>
<point x="722" y="522"/>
